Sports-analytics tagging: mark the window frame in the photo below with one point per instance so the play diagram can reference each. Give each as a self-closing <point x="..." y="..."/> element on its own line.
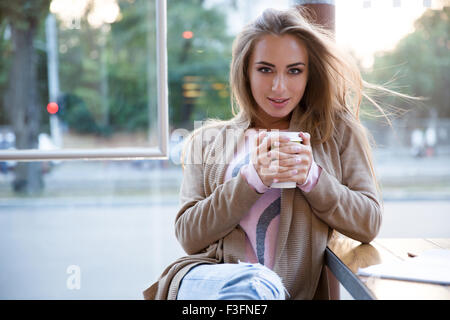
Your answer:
<point x="159" y="152"/>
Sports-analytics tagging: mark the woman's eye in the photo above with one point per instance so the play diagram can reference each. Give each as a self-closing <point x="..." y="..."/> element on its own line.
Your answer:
<point x="264" y="70"/>
<point x="295" y="71"/>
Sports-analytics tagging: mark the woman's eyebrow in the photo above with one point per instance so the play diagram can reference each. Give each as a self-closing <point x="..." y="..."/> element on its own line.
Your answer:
<point x="288" y="66"/>
<point x="295" y="64"/>
<point x="265" y="63"/>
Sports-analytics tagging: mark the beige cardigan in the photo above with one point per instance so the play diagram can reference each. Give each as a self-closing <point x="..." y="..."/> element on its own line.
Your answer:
<point x="207" y="225"/>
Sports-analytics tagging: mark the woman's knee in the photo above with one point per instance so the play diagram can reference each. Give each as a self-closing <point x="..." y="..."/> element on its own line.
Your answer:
<point x="254" y="282"/>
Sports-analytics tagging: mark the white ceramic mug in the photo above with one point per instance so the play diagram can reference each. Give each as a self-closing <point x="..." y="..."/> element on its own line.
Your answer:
<point x="295" y="138"/>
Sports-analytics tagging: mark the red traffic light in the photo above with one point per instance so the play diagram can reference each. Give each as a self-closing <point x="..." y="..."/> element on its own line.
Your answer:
<point x="188" y="34"/>
<point x="52" y="107"/>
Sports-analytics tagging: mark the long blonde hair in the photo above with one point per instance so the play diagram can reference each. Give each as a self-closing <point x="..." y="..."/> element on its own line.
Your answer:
<point x="334" y="85"/>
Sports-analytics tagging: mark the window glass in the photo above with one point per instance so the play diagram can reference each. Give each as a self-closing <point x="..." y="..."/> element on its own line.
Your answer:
<point x="403" y="45"/>
<point x="105" y="229"/>
<point x="82" y="75"/>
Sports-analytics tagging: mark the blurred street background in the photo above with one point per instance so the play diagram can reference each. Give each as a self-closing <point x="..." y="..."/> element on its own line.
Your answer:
<point x="86" y="74"/>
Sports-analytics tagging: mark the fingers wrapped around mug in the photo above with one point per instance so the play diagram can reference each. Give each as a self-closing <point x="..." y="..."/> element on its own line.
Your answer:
<point x="262" y="156"/>
<point x="291" y="161"/>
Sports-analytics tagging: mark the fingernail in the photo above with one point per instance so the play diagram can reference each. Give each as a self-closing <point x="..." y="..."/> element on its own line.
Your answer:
<point x="298" y="160"/>
<point x="275" y="180"/>
<point x="294" y="172"/>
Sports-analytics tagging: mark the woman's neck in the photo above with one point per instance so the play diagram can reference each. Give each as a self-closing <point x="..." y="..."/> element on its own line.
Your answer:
<point x="271" y="123"/>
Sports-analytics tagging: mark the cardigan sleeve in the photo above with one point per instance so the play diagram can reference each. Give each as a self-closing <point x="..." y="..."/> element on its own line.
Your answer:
<point x="204" y="218"/>
<point x="351" y="207"/>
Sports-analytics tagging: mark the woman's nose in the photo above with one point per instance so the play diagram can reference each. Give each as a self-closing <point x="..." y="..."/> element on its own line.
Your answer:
<point x="279" y="83"/>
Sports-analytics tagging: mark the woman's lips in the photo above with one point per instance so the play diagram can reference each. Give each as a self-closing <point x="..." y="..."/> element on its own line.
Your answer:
<point x="278" y="102"/>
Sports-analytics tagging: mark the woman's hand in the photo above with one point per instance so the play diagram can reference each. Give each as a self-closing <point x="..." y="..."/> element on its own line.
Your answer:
<point x="293" y="160"/>
<point x="280" y="160"/>
<point x="262" y="156"/>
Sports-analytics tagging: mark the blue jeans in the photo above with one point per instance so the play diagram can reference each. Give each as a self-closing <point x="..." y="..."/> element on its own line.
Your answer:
<point x="229" y="281"/>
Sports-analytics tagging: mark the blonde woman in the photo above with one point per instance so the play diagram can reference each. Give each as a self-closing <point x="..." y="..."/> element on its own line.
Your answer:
<point x="245" y="239"/>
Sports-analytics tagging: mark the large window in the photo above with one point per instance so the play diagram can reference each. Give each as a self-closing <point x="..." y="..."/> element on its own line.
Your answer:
<point x="103" y="228"/>
<point x="95" y="84"/>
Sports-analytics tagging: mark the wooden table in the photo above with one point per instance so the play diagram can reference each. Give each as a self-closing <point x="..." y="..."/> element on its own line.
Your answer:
<point x="344" y="256"/>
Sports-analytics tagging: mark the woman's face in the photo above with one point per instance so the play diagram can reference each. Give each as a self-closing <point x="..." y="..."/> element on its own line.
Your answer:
<point x="278" y="73"/>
